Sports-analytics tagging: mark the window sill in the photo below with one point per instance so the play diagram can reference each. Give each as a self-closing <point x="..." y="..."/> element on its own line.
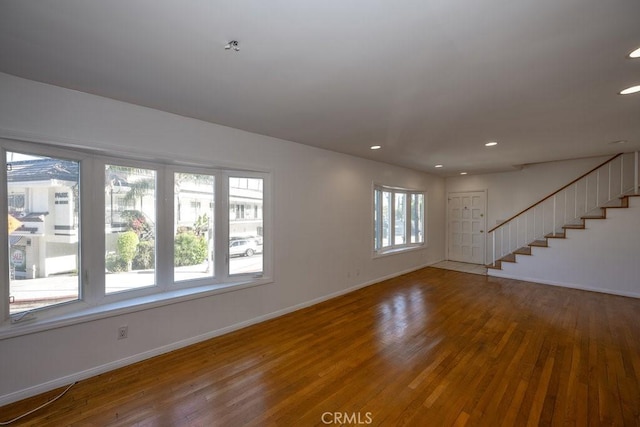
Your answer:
<point x="88" y="314"/>
<point x="396" y="251"/>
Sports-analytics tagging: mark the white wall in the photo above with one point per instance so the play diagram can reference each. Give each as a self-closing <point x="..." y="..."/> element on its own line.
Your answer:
<point x="603" y="257"/>
<point x="510" y="192"/>
<point x="322" y="228"/>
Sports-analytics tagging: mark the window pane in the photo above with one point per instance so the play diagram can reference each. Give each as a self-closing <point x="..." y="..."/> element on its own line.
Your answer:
<point x="43" y="203"/>
<point x="400" y="230"/>
<point x="417" y="218"/>
<point x="193" y="226"/>
<point x="130" y="234"/>
<point x="246" y="227"/>
<point x="386" y="218"/>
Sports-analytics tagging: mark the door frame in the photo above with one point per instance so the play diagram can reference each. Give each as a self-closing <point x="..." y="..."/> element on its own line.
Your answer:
<point x="485" y="192"/>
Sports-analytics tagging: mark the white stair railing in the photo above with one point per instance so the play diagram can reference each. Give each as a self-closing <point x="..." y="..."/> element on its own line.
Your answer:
<point x="582" y="197"/>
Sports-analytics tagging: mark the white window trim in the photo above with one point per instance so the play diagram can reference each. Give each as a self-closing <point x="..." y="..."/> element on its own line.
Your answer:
<point x="93" y="303"/>
<point x="395" y="249"/>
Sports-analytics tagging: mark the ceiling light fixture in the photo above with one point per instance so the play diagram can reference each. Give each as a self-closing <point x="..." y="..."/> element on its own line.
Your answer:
<point x="630" y="90"/>
<point x="232" y="45"/>
<point x="463" y="173"/>
<point x="621" y="141"/>
<point x="375" y="147"/>
<point x="491" y="144"/>
<point x="439" y="166"/>
<point x="635" y="53"/>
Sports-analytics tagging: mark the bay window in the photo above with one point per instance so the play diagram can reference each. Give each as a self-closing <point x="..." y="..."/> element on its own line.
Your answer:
<point x="398" y="219"/>
<point x="88" y="231"/>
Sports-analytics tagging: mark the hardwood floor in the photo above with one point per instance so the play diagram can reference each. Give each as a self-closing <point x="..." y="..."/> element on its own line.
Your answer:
<point x="433" y="347"/>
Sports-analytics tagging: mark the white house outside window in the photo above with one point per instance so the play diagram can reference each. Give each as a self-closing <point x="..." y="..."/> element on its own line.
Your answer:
<point x="42" y="203"/>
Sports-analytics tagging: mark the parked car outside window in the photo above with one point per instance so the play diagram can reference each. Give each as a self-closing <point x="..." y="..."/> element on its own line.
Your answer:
<point x="244" y="247"/>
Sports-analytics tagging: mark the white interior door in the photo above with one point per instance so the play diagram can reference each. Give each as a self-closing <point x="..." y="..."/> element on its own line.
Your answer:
<point x="467" y="223"/>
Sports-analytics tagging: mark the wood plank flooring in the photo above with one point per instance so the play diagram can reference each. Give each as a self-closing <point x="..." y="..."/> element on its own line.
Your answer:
<point x="434" y="347"/>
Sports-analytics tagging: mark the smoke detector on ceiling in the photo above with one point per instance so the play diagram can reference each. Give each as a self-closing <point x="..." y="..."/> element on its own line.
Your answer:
<point x="233" y="45"/>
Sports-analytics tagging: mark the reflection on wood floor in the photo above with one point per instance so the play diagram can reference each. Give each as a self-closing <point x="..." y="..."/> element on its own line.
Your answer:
<point x="433" y="347"/>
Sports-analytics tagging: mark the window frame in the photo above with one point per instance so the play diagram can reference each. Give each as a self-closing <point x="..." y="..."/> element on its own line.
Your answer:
<point x="161" y="242"/>
<point x="53" y="152"/>
<point x="93" y="302"/>
<point x="379" y="249"/>
<point x="170" y="186"/>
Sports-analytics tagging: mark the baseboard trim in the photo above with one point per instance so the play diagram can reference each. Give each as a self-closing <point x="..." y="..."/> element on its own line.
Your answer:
<point x="501" y="274"/>
<point x="88" y="373"/>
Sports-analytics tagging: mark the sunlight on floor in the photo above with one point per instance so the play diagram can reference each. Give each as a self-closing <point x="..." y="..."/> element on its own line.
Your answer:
<point x="462" y="266"/>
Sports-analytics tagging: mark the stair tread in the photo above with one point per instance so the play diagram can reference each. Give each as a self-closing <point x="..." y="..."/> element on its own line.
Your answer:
<point x="556" y="236"/>
<point x="573" y="226"/>
<point x="539" y="243"/>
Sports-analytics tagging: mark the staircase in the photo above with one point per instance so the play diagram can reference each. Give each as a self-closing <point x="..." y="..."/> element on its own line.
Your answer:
<point x="588" y="198"/>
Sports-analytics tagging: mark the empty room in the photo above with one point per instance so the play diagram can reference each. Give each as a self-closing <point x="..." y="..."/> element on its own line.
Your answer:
<point x="320" y="213"/>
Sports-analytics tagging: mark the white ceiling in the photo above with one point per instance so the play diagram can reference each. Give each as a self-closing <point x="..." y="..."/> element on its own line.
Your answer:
<point x="431" y="81"/>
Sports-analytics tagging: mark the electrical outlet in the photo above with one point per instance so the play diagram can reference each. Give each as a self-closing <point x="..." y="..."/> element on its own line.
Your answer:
<point x="123" y="332"/>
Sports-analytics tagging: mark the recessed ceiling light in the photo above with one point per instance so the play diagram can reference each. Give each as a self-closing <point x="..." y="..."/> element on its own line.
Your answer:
<point x="630" y="90"/>
<point x="376" y="147"/>
<point x="463" y="173"/>
<point x="491" y="144"/>
<point x="439" y="166"/>
<point x="635" y="53"/>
